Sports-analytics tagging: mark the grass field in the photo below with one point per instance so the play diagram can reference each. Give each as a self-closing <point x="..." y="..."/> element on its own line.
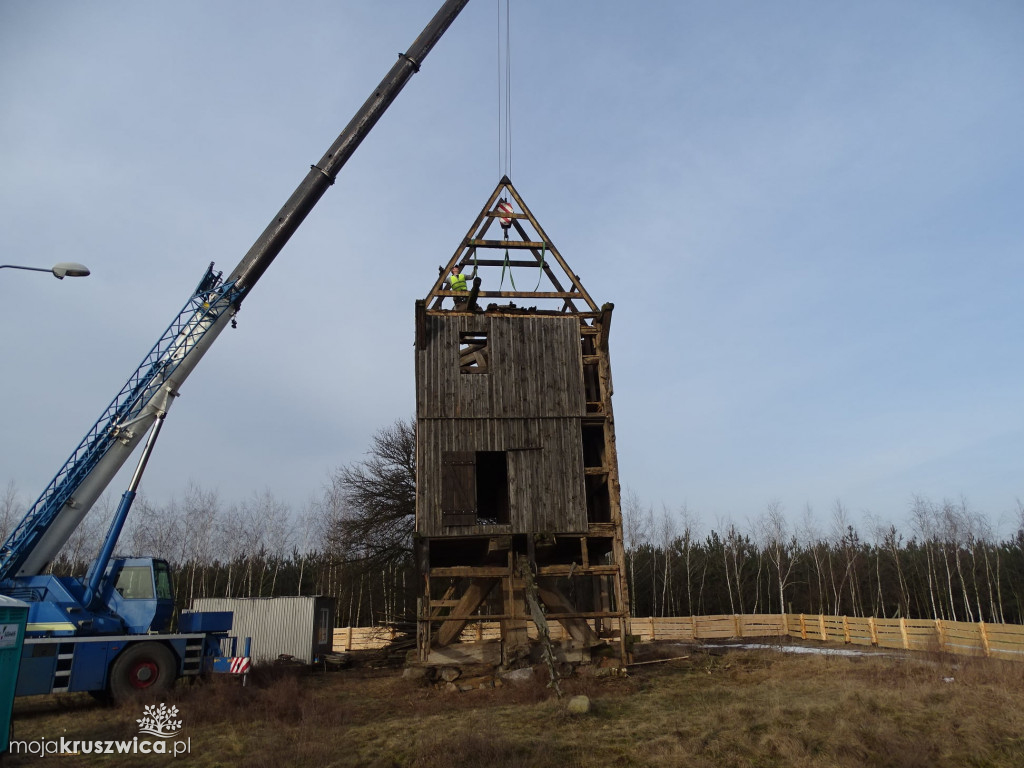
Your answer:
<point x="715" y="708"/>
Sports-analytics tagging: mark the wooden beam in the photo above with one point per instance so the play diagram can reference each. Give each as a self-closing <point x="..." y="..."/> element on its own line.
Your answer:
<point x="469" y="572"/>
<point x="563" y="570"/>
<point x="502" y="263"/>
<point x="530" y="295"/>
<point x="519" y="244"/>
<point x="606" y="325"/>
<point x="551" y="246"/>
<point x="468" y="603"/>
<point x="562" y="610"/>
<point x="421" y="324"/>
<point x="515" y="639"/>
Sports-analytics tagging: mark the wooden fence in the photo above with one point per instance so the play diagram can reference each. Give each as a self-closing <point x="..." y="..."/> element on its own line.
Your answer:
<point x="1000" y="641"/>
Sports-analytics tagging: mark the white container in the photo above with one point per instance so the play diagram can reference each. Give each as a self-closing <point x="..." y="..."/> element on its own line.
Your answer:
<point x="302" y="627"/>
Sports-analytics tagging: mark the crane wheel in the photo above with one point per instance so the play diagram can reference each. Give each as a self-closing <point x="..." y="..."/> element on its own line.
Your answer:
<point x="148" y="668"/>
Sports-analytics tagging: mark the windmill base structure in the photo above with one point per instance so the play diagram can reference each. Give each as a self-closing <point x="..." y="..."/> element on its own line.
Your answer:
<point x="518" y="514"/>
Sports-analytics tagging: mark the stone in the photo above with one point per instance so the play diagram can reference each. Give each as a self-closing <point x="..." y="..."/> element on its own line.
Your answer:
<point x="579" y="705"/>
<point x="450" y="674"/>
<point x="473" y="683"/>
<point x="416" y="674"/>
<point x="523" y="675"/>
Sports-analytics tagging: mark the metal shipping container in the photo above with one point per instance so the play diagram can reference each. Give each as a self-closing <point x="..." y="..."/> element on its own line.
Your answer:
<point x="302" y="627"/>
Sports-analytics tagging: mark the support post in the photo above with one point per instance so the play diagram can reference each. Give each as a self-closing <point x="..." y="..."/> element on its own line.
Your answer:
<point x="984" y="638"/>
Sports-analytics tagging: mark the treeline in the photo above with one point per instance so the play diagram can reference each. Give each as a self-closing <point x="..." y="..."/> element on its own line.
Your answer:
<point x="950" y="566"/>
<point x="259" y="547"/>
<point x="354" y="544"/>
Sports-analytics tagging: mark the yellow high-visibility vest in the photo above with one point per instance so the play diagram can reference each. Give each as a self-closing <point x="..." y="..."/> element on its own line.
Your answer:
<point x="458" y="282"/>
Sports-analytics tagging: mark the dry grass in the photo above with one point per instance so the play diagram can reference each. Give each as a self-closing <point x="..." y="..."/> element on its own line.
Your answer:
<point x="740" y="708"/>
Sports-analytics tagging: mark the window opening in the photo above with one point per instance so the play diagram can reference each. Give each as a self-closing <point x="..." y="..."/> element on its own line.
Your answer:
<point x="474" y="488"/>
<point x="473" y="352"/>
<point x="492" y="488"/>
<point x="593" y="445"/>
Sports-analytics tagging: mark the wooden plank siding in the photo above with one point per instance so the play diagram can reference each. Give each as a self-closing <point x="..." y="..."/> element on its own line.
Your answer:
<point x="535" y="369"/>
<point x="545" y="473"/>
<point x="529" y="404"/>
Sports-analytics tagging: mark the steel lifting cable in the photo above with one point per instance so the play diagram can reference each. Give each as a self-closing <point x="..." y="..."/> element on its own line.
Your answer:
<point x="505" y="94"/>
<point x="505" y="135"/>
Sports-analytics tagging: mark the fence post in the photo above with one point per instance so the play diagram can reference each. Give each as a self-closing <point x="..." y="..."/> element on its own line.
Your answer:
<point x="803" y="628"/>
<point x="903" y="631"/>
<point x="693" y="625"/>
<point x="846" y="630"/>
<point x="651" y="619"/>
<point x="738" y="626"/>
<point x="785" y="625"/>
<point x="984" y="638"/>
<point x="939" y="634"/>
<point x="873" y="629"/>
<point x="348" y="644"/>
<point x="821" y="626"/>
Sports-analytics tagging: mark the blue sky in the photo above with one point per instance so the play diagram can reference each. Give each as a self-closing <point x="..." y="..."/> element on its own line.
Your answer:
<point x="808" y="216"/>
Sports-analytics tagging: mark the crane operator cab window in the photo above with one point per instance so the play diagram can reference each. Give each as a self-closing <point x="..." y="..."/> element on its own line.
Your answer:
<point x="162" y="576"/>
<point x="136" y="582"/>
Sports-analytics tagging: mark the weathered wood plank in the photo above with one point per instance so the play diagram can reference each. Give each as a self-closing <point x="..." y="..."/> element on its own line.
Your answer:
<point x="559" y="607"/>
<point x="471" y="599"/>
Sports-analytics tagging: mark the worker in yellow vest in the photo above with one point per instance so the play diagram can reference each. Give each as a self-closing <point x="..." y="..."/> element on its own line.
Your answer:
<point x="457" y="284"/>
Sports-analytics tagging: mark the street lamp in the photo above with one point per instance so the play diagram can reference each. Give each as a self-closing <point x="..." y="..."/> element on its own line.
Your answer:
<point x="60" y="271"/>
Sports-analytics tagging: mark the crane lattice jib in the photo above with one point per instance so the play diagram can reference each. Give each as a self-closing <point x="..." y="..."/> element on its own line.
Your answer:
<point x="43" y="526"/>
<point x="210" y="300"/>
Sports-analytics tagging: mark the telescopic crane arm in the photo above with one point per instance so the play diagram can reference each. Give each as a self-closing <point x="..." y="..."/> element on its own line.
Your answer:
<point x="149" y="392"/>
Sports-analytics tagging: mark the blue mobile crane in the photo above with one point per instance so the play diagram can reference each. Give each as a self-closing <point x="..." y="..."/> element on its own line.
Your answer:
<point x="109" y="633"/>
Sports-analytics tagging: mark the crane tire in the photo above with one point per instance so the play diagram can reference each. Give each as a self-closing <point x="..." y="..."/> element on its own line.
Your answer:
<point x="144" y="668"/>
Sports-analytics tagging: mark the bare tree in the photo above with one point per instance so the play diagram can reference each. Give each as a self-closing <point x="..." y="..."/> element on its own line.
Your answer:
<point x="308" y="539"/>
<point x="781" y="547"/>
<point x="155" y="532"/>
<point x="734" y="551"/>
<point x="667" y="533"/>
<point x="373" y="501"/>
<point x="200" y="512"/>
<point x="925" y="527"/>
<point x="635" y="532"/>
<point x="877" y="530"/>
<point x="814" y="544"/>
<point x="84" y="543"/>
<point x="231" y="545"/>
<point x="847" y="542"/>
<point x="690" y="522"/>
<point x="10" y="510"/>
<point x="955" y="523"/>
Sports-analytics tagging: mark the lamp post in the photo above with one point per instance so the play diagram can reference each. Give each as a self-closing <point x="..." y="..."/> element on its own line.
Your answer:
<point x="60" y="271"/>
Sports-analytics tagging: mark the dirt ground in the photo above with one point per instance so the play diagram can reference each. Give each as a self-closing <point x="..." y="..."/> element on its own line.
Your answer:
<point x="693" y="706"/>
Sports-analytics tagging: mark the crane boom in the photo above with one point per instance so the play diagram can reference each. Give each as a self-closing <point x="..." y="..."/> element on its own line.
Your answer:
<point x="149" y="391"/>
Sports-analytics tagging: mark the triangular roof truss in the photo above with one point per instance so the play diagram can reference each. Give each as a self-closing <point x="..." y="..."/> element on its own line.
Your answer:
<point x="522" y="253"/>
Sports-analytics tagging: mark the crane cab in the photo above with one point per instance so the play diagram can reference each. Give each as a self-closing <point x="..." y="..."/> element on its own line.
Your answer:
<point x="139" y="590"/>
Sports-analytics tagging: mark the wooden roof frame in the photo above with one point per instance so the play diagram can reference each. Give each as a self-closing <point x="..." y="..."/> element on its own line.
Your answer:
<point x="542" y="251"/>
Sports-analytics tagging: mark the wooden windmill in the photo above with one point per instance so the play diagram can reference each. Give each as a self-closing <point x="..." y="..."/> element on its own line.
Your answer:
<point x="518" y="514"/>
